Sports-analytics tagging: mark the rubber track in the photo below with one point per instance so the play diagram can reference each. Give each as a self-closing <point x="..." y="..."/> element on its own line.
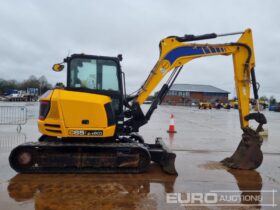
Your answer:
<point x="50" y="147"/>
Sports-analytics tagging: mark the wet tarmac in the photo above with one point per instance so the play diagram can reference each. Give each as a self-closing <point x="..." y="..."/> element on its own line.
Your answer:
<point x="203" y="138"/>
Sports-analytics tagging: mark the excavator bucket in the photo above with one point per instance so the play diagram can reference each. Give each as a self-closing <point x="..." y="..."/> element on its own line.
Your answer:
<point x="248" y="154"/>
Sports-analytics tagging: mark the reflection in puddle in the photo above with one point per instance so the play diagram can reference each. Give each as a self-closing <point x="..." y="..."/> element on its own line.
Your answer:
<point x="171" y="139"/>
<point x="94" y="191"/>
<point x="249" y="183"/>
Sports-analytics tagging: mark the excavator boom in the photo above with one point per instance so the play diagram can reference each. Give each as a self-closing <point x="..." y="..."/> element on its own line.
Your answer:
<point x="175" y="52"/>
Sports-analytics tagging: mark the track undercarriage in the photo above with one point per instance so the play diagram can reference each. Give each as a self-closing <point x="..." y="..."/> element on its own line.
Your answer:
<point x="81" y="157"/>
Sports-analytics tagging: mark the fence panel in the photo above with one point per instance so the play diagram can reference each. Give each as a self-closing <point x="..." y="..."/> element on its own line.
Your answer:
<point x="11" y="140"/>
<point x="13" y="115"/>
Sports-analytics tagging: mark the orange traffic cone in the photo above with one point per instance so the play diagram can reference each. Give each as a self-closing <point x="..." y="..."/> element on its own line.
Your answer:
<point x="171" y="125"/>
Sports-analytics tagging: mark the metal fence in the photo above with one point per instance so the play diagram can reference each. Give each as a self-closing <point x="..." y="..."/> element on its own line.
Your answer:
<point x="11" y="140"/>
<point x="13" y="115"/>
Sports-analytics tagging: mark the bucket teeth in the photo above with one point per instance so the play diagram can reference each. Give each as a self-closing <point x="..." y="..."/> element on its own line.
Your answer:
<point x="248" y="154"/>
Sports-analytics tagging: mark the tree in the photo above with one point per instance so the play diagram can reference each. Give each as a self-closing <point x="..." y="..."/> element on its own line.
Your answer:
<point x="32" y="82"/>
<point x="43" y="85"/>
<point x="6" y="85"/>
<point x="59" y="85"/>
<point x="272" y="100"/>
<point x="264" y="98"/>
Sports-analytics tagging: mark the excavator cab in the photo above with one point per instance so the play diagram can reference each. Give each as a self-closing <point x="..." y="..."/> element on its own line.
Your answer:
<point x="94" y="74"/>
<point x="91" y="104"/>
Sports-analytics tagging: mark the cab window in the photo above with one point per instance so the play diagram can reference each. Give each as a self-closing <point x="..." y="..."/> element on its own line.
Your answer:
<point x="94" y="74"/>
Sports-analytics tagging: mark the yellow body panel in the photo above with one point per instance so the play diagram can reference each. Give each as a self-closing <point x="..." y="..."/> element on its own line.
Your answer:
<point x="69" y="109"/>
<point x="78" y="106"/>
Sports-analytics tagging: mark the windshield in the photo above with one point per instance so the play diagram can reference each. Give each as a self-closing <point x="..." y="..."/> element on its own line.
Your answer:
<point x="94" y="74"/>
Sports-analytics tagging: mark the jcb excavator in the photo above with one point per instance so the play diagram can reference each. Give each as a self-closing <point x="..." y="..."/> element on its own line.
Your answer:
<point x="91" y="125"/>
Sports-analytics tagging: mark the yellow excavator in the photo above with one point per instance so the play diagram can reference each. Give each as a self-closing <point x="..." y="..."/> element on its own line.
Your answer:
<point x="91" y="125"/>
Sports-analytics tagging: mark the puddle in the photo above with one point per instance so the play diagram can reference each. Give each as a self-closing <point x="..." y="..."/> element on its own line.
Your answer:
<point x="202" y="140"/>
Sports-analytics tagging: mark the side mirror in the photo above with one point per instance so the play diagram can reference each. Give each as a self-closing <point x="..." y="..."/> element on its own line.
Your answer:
<point x="58" y="67"/>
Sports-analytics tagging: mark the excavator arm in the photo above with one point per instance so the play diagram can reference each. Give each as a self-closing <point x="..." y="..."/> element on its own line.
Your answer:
<point x="176" y="52"/>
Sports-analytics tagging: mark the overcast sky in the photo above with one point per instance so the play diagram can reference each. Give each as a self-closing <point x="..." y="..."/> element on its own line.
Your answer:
<point x="36" y="34"/>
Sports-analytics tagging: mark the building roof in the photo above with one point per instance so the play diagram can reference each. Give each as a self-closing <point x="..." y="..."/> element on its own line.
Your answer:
<point x="197" y="88"/>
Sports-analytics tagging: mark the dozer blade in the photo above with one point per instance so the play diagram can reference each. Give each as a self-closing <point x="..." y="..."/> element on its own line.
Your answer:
<point x="162" y="155"/>
<point x="248" y="154"/>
